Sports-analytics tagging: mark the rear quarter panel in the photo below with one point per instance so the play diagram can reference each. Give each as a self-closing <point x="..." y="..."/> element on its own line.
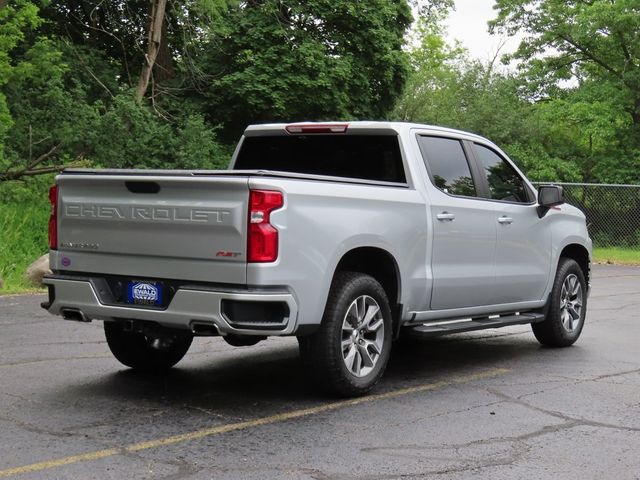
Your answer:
<point x="322" y="221"/>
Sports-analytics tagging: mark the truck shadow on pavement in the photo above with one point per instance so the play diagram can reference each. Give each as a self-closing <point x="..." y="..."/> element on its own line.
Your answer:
<point x="257" y="381"/>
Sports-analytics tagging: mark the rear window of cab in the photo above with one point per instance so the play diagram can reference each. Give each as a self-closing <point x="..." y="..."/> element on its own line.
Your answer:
<point x="367" y="157"/>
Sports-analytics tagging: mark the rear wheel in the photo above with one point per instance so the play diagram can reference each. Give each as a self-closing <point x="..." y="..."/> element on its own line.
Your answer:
<point x="144" y="351"/>
<point x="349" y="352"/>
<point x="567" y="307"/>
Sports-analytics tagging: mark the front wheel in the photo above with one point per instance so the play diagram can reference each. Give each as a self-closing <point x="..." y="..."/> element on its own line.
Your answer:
<point x="349" y="352"/>
<point x="146" y="352"/>
<point x="567" y="307"/>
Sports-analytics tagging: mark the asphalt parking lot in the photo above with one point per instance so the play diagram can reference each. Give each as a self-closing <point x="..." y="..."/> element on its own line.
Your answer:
<point x="485" y="405"/>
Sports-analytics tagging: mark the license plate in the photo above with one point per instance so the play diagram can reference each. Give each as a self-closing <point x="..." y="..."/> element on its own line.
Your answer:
<point x="144" y="293"/>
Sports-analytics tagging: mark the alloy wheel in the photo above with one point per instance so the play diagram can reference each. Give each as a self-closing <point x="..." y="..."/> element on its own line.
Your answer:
<point x="571" y="303"/>
<point x="362" y="336"/>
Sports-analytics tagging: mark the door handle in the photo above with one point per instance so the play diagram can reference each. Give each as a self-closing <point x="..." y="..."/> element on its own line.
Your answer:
<point x="446" y="217"/>
<point x="505" y="220"/>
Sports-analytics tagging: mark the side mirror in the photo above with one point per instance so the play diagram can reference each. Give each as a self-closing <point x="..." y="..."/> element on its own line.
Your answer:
<point x="549" y="196"/>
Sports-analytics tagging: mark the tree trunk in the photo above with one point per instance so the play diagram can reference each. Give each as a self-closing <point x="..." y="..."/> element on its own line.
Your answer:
<point x="154" y="41"/>
<point x="164" y="68"/>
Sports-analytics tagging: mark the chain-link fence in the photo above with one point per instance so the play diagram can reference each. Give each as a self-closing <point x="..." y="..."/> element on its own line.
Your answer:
<point x="613" y="211"/>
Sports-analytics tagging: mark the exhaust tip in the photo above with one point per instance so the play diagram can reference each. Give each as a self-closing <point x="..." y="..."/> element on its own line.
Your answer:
<point x="202" y="329"/>
<point x="74" y="314"/>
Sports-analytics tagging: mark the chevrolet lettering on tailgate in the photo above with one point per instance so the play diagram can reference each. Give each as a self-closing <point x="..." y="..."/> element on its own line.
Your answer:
<point x="145" y="213"/>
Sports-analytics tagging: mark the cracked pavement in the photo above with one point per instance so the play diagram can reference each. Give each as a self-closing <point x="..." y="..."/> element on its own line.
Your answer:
<point x="552" y="413"/>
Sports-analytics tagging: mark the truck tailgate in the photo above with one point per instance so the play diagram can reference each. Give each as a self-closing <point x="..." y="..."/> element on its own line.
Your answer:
<point x="180" y="227"/>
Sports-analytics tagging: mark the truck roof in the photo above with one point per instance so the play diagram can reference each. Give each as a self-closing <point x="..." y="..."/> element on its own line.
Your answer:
<point x="359" y="125"/>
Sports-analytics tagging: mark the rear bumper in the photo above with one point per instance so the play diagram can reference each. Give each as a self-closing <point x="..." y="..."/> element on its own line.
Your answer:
<point x="191" y="308"/>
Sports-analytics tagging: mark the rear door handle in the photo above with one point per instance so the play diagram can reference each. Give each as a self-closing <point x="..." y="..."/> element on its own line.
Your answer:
<point x="505" y="220"/>
<point x="446" y="217"/>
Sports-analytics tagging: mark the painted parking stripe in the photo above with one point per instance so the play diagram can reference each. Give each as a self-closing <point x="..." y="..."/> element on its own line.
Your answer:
<point x="231" y="427"/>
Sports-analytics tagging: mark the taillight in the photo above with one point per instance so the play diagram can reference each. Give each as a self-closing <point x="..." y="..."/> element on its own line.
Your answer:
<point x="262" y="239"/>
<point x="53" y="218"/>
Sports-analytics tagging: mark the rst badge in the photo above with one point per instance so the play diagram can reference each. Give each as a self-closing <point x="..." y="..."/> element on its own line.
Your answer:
<point x="144" y="293"/>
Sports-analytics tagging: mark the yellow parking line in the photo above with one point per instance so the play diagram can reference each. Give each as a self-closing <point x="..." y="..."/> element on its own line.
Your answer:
<point x="281" y="417"/>
<point x="61" y="462"/>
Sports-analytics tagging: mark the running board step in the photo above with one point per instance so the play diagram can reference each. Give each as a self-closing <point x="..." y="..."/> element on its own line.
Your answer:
<point x="445" y="328"/>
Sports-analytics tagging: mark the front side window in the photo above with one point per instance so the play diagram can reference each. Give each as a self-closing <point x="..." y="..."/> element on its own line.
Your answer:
<point x="504" y="182"/>
<point x="448" y="165"/>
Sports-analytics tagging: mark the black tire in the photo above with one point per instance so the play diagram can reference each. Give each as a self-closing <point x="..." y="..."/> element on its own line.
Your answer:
<point x="145" y="352"/>
<point x="322" y="352"/>
<point x="552" y="332"/>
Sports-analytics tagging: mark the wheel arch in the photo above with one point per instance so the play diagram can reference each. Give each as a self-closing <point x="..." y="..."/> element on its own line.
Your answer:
<point x="580" y="254"/>
<point x="381" y="265"/>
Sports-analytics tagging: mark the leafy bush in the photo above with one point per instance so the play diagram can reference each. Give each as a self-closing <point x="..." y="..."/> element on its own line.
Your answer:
<point x="133" y="136"/>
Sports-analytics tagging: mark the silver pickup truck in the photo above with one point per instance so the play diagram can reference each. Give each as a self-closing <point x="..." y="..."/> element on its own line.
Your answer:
<point x="346" y="235"/>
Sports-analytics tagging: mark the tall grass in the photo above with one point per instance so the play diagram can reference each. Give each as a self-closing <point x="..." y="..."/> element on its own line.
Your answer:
<point x="23" y="238"/>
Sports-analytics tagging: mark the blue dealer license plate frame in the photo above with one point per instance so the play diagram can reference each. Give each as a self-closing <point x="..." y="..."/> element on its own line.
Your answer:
<point x="143" y="292"/>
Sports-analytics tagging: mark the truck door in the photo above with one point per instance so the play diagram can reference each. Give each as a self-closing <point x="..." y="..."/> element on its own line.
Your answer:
<point x="523" y="248"/>
<point x="464" y="227"/>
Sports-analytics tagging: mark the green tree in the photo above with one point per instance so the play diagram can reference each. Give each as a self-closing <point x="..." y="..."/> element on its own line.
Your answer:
<point x="67" y="98"/>
<point x="596" y="47"/>
<point x="205" y="66"/>
<point x="583" y="124"/>
<point x="34" y="102"/>
<point x="15" y="20"/>
<point x="595" y="39"/>
<point x="304" y="60"/>
<point x="562" y="116"/>
<point x="469" y="96"/>
<point x="128" y="33"/>
<point x="430" y="92"/>
<point x="448" y="88"/>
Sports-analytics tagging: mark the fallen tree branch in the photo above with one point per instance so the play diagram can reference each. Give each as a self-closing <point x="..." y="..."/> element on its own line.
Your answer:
<point x="31" y="169"/>
<point x="43" y="157"/>
<point x="17" y="175"/>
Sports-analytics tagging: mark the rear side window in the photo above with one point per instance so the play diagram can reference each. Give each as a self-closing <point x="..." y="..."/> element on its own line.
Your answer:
<point x="448" y="166"/>
<point x="504" y="182"/>
<point x="368" y="157"/>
